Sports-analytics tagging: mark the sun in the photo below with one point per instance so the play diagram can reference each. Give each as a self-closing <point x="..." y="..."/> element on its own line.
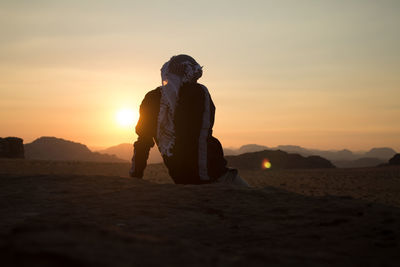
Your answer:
<point x="127" y="117"/>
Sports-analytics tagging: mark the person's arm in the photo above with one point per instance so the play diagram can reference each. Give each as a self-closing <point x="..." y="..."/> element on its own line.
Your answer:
<point x="145" y="129"/>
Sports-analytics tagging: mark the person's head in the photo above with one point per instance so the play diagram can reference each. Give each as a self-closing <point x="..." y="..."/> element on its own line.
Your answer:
<point x="184" y="66"/>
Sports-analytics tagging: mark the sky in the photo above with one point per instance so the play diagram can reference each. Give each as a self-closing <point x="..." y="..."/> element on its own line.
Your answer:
<point x="315" y="73"/>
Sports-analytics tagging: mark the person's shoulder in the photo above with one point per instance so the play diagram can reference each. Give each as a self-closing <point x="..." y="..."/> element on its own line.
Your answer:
<point x="203" y="87"/>
<point x="152" y="97"/>
<point x="153" y="93"/>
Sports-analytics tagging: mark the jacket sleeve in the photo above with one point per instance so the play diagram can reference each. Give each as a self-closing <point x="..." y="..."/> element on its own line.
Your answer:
<point x="145" y="129"/>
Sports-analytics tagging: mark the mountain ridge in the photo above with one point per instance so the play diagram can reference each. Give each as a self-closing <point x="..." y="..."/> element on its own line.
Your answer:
<point x="277" y="159"/>
<point x="53" y="148"/>
<point x="57" y="149"/>
<point x="341" y="158"/>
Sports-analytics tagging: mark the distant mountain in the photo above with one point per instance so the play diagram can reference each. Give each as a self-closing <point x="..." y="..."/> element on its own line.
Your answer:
<point x="344" y="154"/>
<point x="230" y="151"/>
<point x="278" y="160"/>
<point x="328" y="154"/>
<point x="52" y="148"/>
<point x="382" y="153"/>
<point x="331" y="155"/>
<point x="125" y="151"/>
<point x="294" y="149"/>
<point x="359" y="163"/>
<point x="244" y="149"/>
<point x="251" y="148"/>
<point x="122" y="151"/>
<point x="343" y="157"/>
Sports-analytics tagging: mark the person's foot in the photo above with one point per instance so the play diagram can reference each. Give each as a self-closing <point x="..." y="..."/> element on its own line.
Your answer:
<point x="232" y="177"/>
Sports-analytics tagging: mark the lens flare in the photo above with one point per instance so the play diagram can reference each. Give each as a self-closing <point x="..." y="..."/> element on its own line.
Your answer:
<point x="266" y="164"/>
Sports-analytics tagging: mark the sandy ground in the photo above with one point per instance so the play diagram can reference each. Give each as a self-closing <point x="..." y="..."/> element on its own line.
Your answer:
<point x="380" y="185"/>
<point x="88" y="214"/>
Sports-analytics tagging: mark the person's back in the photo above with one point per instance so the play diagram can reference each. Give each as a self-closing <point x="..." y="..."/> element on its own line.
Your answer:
<point x="179" y="117"/>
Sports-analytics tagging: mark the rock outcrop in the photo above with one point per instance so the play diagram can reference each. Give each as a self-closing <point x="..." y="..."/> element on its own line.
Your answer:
<point x="11" y="147"/>
<point x="395" y="160"/>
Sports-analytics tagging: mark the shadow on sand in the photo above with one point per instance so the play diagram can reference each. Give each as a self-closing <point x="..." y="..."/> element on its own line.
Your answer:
<point x="80" y="220"/>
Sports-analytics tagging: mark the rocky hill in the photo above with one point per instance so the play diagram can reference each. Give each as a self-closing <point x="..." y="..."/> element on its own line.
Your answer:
<point x="52" y="148"/>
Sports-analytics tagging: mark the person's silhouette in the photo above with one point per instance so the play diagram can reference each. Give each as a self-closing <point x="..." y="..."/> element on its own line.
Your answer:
<point x="178" y="116"/>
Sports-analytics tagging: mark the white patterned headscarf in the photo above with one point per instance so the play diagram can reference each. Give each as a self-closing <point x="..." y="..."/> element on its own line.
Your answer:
<point x="174" y="73"/>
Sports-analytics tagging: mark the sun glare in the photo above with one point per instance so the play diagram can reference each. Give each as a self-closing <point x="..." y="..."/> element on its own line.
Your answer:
<point x="127" y="117"/>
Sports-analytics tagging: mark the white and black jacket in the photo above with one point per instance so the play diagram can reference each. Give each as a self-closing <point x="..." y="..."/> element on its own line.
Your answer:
<point x="197" y="157"/>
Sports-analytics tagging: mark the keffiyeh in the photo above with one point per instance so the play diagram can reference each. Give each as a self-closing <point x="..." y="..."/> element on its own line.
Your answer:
<point x="174" y="73"/>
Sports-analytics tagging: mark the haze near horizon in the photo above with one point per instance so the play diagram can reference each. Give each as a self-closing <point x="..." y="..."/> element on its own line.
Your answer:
<point x="318" y="74"/>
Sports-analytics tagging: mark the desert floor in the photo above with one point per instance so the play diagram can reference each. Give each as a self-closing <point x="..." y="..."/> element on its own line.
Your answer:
<point x="91" y="214"/>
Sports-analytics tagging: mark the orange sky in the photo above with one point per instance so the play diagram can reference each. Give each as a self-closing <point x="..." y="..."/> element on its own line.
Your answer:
<point x="320" y="74"/>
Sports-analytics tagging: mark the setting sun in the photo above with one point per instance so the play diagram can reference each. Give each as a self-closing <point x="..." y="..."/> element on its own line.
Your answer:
<point x="127" y="117"/>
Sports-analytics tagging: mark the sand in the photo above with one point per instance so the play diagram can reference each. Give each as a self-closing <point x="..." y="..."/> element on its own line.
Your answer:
<point x="289" y="218"/>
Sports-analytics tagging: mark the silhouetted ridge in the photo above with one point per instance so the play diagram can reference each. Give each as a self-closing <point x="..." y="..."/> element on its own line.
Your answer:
<point x="381" y="152"/>
<point x="395" y="160"/>
<point x="341" y="158"/>
<point x="278" y="159"/>
<point x="251" y="148"/>
<point x="52" y="148"/>
<point x="294" y="149"/>
<point x="244" y="149"/>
